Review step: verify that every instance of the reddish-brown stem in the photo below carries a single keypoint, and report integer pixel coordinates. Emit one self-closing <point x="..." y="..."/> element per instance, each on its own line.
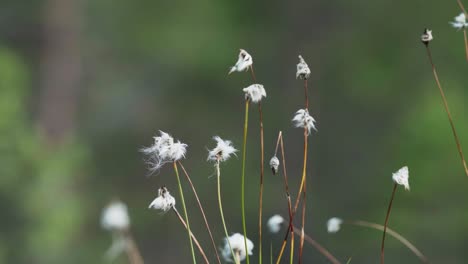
<point x="191" y="234"/>
<point x="291" y="213"/>
<point x="252" y="73"/>
<point x="382" y="260"/>
<point x="319" y="247"/>
<point x="306" y="95"/>
<point x="202" y="211"/>
<point x="457" y="141"/>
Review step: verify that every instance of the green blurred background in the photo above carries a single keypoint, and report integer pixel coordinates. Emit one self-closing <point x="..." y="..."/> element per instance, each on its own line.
<point x="85" y="84"/>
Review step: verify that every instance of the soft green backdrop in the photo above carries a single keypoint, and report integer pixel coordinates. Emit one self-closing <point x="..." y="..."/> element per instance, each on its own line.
<point x="85" y="84"/>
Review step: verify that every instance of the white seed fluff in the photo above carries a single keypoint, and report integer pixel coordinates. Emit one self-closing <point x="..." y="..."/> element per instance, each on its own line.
<point x="334" y="224"/>
<point x="401" y="177"/>
<point x="254" y="92"/>
<point x="238" y="245"/>
<point x="274" y="223"/>
<point x="243" y="62"/>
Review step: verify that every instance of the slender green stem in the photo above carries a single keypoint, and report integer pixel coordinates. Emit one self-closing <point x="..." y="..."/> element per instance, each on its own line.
<point x="218" y="173"/>
<point x="202" y="211"/>
<point x="304" y="173"/>
<point x="244" y="152"/>
<point x="392" y="233"/>
<point x="262" y="161"/>
<point x="185" y="211"/>
<point x="382" y="248"/>
<point x="291" y="254"/>
<point x="202" y="252"/>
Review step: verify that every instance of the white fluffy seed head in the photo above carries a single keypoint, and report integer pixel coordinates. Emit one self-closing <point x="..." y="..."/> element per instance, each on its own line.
<point x="334" y="224"/>
<point x="164" y="202"/>
<point x="222" y="151"/>
<point x="115" y="217"/>
<point x="303" y="71"/>
<point x="401" y="177"/>
<point x="274" y="223"/>
<point x="427" y="37"/>
<point x="238" y="246"/>
<point x="243" y="62"/>
<point x="164" y="150"/>
<point x="274" y="164"/>
<point x="460" y="22"/>
<point x="255" y="92"/>
<point x="304" y="120"/>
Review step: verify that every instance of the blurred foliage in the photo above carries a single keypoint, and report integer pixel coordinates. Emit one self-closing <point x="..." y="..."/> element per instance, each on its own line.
<point x="162" y="65"/>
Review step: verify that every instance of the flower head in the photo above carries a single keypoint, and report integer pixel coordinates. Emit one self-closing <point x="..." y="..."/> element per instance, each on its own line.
<point x="274" y="164"/>
<point x="274" y="223"/>
<point x="115" y="217"/>
<point x="334" y="224"/>
<point x="426" y="37"/>
<point x="254" y="92"/>
<point x="222" y="151"/>
<point x="304" y="120"/>
<point x="401" y="177"/>
<point x="164" y="150"/>
<point x="460" y="22"/>
<point x="303" y="71"/>
<point x="164" y="202"/>
<point x="238" y="246"/>
<point x="243" y="63"/>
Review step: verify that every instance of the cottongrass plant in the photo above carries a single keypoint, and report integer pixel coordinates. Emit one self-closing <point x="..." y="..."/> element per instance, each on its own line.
<point x="165" y="150"/>
<point x="253" y="93"/>
<point x="165" y="202"/>
<point x="237" y="247"/>
<point x="116" y="220"/>
<point x="222" y="152"/>
<point x="426" y="38"/>
<point x="304" y="120"/>
<point x="399" y="178"/>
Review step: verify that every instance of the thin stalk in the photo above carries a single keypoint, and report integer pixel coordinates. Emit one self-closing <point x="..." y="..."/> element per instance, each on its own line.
<point x="304" y="173"/>
<point x="202" y="211"/>
<point x="244" y="152"/>
<point x="466" y="43"/>
<point x="262" y="161"/>
<point x="290" y="211"/>
<point x="382" y="258"/>
<point x="457" y="141"/>
<point x="185" y="211"/>
<point x="132" y="251"/>
<point x="460" y="4"/>
<point x="394" y="234"/>
<point x="319" y="247"/>
<point x="191" y="235"/>
<point x="237" y="259"/>
<point x="271" y="252"/>
<point x="218" y="172"/>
